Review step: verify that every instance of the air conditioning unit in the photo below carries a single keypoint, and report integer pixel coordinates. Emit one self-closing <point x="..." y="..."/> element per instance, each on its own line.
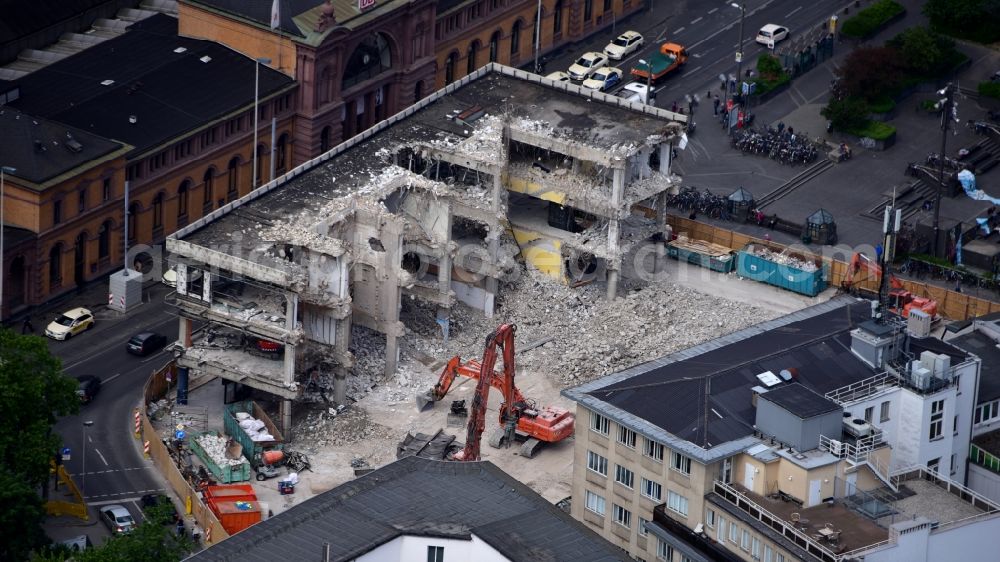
<point x="836" y="447"/>
<point x="920" y="377"/>
<point x="857" y="427"/>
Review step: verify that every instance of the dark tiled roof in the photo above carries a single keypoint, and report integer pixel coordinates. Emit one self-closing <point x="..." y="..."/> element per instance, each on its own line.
<point x="19" y="19"/>
<point x="52" y="156"/>
<point x="799" y="400"/>
<point x="169" y="93"/>
<point x="986" y="349"/>
<point x="416" y="496"/>
<point x="260" y="10"/>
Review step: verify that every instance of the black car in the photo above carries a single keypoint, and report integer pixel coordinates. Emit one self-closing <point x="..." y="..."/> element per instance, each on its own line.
<point x="89" y="387"/>
<point x="146" y="343"/>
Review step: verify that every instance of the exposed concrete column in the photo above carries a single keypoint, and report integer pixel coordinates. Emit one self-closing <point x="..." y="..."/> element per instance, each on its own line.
<point x="291" y="310"/>
<point x="614" y="230"/>
<point x="444" y="264"/>
<point x="665" y="157"/>
<point x="286" y="419"/>
<point x="289" y="364"/>
<point x="342" y="343"/>
<point x="660" y="255"/>
<point x="498" y="207"/>
<point x="184" y="332"/>
<point x="391" y="292"/>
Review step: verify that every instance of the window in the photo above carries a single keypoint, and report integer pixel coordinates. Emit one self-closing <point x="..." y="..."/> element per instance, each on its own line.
<point x="55" y="264"/>
<point x="884" y="412"/>
<point x="56" y="212"/>
<point x="933" y="465"/>
<point x="209" y="180"/>
<point x="81" y="201"/>
<point x="494" y="46"/>
<point x="664" y="551"/>
<point x="515" y="37"/>
<point x="104" y="240"/>
<point x="624" y="476"/>
<point x="653" y="450"/>
<point x="182" y="199"/>
<point x="680" y="463"/>
<point x="755" y="548"/>
<point x="435" y="554"/>
<point x="588" y="10"/>
<point x="678" y="503"/>
<point x="626" y="436"/>
<point x="745" y="543"/>
<point x="652" y="490"/>
<point x="557" y="18"/>
<point x="597" y="463"/>
<point x="158" y="210"/>
<point x="281" y="152"/>
<point x="768" y="553"/>
<point x="734" y="532"/>
<point x="182" y="149"/>
<point x="780" y="556"/>
<point x="710" y="517"/>
<point x="987" y="412"/>
<point x="642" y="527"/>
<point x="953" y="463"/>
<point x="954" y="426"/>
<point x="607" y="6"/>
<point x="937" y="418"/>
<point x="106" y="190"/>
<point x="470" y="64"/>
<point x="621" y="515"/>
<point x="209" y="137"/>
<point x="726" y="474"/>
<point x="133" y="213"/>
<point x="599" y="423"/>
<point x="595" y="503"/>
<point x="720" y="531"/>
<point x="869" y="413"/>
<point x="234" y="172"/>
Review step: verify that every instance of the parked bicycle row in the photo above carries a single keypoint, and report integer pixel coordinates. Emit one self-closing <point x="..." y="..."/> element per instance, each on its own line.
<point x="784" y="146"/>
<point x="921" y="270"/>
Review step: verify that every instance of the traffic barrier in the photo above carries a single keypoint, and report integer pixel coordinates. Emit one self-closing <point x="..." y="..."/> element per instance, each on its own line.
<point x="208" y="535"/>
<point x="145" y="449"/>
<point x="138" y="423"/>
<point x="111" y="299"/>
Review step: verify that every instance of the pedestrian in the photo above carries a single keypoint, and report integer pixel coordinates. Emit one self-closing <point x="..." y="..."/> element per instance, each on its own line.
<point x="690" y="107"/>
<point x="27" y="326"/>
<point x="708" y="95"/>
<point x="180" y="527"/>
<point x="715" y="105"/>
<point x="674" y="107"/>
<point x="958" y="286"/>
<point x="781" y="127"/>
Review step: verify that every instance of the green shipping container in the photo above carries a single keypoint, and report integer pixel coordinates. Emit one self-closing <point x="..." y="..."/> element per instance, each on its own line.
<point x="250" y="447"/>
<point x="224" y="474"/>
<point x="755" y="267"/>
<point x="725" y="264"/>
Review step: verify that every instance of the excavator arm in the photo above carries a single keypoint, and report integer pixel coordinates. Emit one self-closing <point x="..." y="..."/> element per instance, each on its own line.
<point x="454" y="368"/>
<point x="860" y="260"/>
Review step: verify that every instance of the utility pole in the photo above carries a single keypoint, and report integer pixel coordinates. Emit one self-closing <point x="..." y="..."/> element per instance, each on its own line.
<point x="947" y="109"/>
<point x="739" y="54"/>
<point x="538" y="35"/>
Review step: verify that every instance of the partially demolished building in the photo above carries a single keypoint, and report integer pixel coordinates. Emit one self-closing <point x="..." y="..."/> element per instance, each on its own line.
<point x="433" y="204"/>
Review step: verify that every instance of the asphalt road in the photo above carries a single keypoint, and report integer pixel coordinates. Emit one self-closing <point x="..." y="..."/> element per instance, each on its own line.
<point x="116" y="471"/>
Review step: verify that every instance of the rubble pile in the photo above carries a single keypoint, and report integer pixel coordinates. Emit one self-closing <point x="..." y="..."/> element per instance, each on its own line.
<point x="782" y="258"/>
<point x="576" y="335"/>
<point x="215" y="447"/>
<point x="332" y="427"/>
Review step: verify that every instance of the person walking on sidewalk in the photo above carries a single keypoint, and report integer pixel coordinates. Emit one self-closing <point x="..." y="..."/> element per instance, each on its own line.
<point x="27" y="326"/>
<point x="715" y="105"/>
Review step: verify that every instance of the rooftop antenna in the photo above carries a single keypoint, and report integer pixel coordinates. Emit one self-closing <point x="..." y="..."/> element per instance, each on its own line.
<point x="890" y="228"/>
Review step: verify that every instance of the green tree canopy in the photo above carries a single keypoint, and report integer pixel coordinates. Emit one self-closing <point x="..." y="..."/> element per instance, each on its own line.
<point x="871" y="72"/>
<point x="923" y="52"/>
<point x="978" y="20"/>
<point x="153" y="540"/>
<point x="33" y="392"/>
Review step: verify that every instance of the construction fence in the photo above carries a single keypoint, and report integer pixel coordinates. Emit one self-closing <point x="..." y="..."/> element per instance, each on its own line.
<point x="157" y="387"/>
<point x="951" y="304"/>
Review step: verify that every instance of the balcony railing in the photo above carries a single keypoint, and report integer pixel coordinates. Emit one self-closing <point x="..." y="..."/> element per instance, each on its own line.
<point x="862" y="389"/>
<point x="984" y="458"/>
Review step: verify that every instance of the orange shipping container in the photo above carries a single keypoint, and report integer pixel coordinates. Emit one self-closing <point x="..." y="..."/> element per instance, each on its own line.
<point x="231" y="492"/>
<point x="235" y="515"/>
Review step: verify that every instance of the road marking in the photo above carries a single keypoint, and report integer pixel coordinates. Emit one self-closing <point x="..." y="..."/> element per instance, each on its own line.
<point x="113" y="470"/>
<point x="696" y="20"/>
<point x="695" y="69"/>
<point x="793" y="11"/>
<point x="154" y="356"/>
<point x="676" y="32"/>
<point x="111" y="378"/>
<point x="712" y="11"/>
<point x="98" y="451"/>
<point x="124" y="500"/>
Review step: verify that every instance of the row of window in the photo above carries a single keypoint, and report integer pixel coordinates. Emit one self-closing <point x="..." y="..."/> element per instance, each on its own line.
<point x="82" y="201"/>
<point x="741" y="538"/>
<point x="628" y="437"/>
<point x="675" y="502"/>
<point x="456" y="22"/>
<point x="987" y="412"/>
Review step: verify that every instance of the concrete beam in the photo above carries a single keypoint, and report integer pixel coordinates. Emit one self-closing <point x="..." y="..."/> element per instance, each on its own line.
<point x="215" y="369"/>
<point x="229" y="262"/>
<point x="266" y="330"/>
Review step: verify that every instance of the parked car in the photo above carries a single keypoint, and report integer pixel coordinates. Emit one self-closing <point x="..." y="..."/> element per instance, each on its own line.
<point x="170" y="276"/>
<point x="636" y="92"/>
<point x="772" y="34"/>
<point x="117" y="518"/>
<point x="587" y="65"/>
<point x="558" y="76"/>
<point x="78" y="543"/>
<point x="88" y="386"/>
<point x="624" y="45"/>
<point x="604" y="79"/>
<point x="144" y="343"/>
<point x="70" y="323"/>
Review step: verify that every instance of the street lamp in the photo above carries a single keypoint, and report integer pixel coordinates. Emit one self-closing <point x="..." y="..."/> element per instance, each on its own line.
<point x="538" y="35"/>
<point x="649" y="80"/>
<point x="83" y="477"/>
<point x="739" y="54"/>
<point x="256" y="112"/>
<point x="3" y="268"/>
<point x="947" y="110"/>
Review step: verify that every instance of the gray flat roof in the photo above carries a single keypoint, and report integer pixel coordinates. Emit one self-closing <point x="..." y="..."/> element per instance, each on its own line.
<point x="800" y="400"/>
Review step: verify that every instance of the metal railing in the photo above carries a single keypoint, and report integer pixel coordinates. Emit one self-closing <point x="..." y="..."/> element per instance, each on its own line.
<point x="984" y="458"/>
<point x="862" y="389"/>
<point x="860" y="452"/>
<point x="953" y="488"/>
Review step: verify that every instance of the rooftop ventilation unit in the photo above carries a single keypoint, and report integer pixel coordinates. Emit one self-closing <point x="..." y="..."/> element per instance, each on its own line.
<point x="768" y="379"/>
<point x="206" y="59"/>
<point x="107" y="82"/>
<point x="72" y="144"/>
<point x="857" y="427"/>
<point x="180" y="50"/>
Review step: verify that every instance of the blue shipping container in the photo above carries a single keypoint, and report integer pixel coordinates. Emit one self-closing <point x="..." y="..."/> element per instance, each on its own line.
<point x="754" y="267"/>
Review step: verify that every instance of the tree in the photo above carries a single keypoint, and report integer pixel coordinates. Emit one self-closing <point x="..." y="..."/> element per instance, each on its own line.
<point x="151" y="541"/>
<point x="871" y="72"/>
<point x="33" y="392"/>
<point x="848" y="114"/>
<point x="923" y="52"/>
<point x="978" y="20"/>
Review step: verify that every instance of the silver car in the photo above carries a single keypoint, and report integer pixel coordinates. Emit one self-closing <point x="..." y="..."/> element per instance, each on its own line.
<point x="117" y="518"/>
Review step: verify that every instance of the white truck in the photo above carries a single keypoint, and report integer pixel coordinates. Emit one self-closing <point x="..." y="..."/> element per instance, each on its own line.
<point x="636" y="92"/>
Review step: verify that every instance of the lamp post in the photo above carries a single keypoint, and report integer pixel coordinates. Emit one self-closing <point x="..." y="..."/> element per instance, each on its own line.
<point x="739" y="53"/>
<point x="947" y="108"/>
<point x="83" y="476"/>
<point x="649" y="80"/>
<point x="256" y="113"/>
<point x="538" y="35"/>
<point x="3" y="268"/>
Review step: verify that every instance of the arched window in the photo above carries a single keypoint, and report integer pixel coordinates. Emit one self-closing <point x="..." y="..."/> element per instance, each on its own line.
<point x="182" y="198"/>
<point x="232" y="190"/>
<point x="470" y="65"/>
<point x="418" y="91"/>
<point x="104" y="240"/>
<point x="261" y="168"/>
<point x="369" y="59"/>
<point x="557" y="18"/>
<point x="449" y="68"/>
<point x="588" y="10"/>
<point x="515" y="37"/>
<point x="209" y="180"/>
<point x="133" y="213"/>
<point x="494" y="46"/>
<point x="281" y="154"/>
<point x="324" y="140"/>
<point x="325" y="83"/>
<point x="55" y="264"/>
<point x="158" y="210"/>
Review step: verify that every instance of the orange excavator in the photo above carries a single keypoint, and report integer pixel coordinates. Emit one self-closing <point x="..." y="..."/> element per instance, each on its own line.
<point x="519" y="417"/>
<point x="903" y="301"/>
